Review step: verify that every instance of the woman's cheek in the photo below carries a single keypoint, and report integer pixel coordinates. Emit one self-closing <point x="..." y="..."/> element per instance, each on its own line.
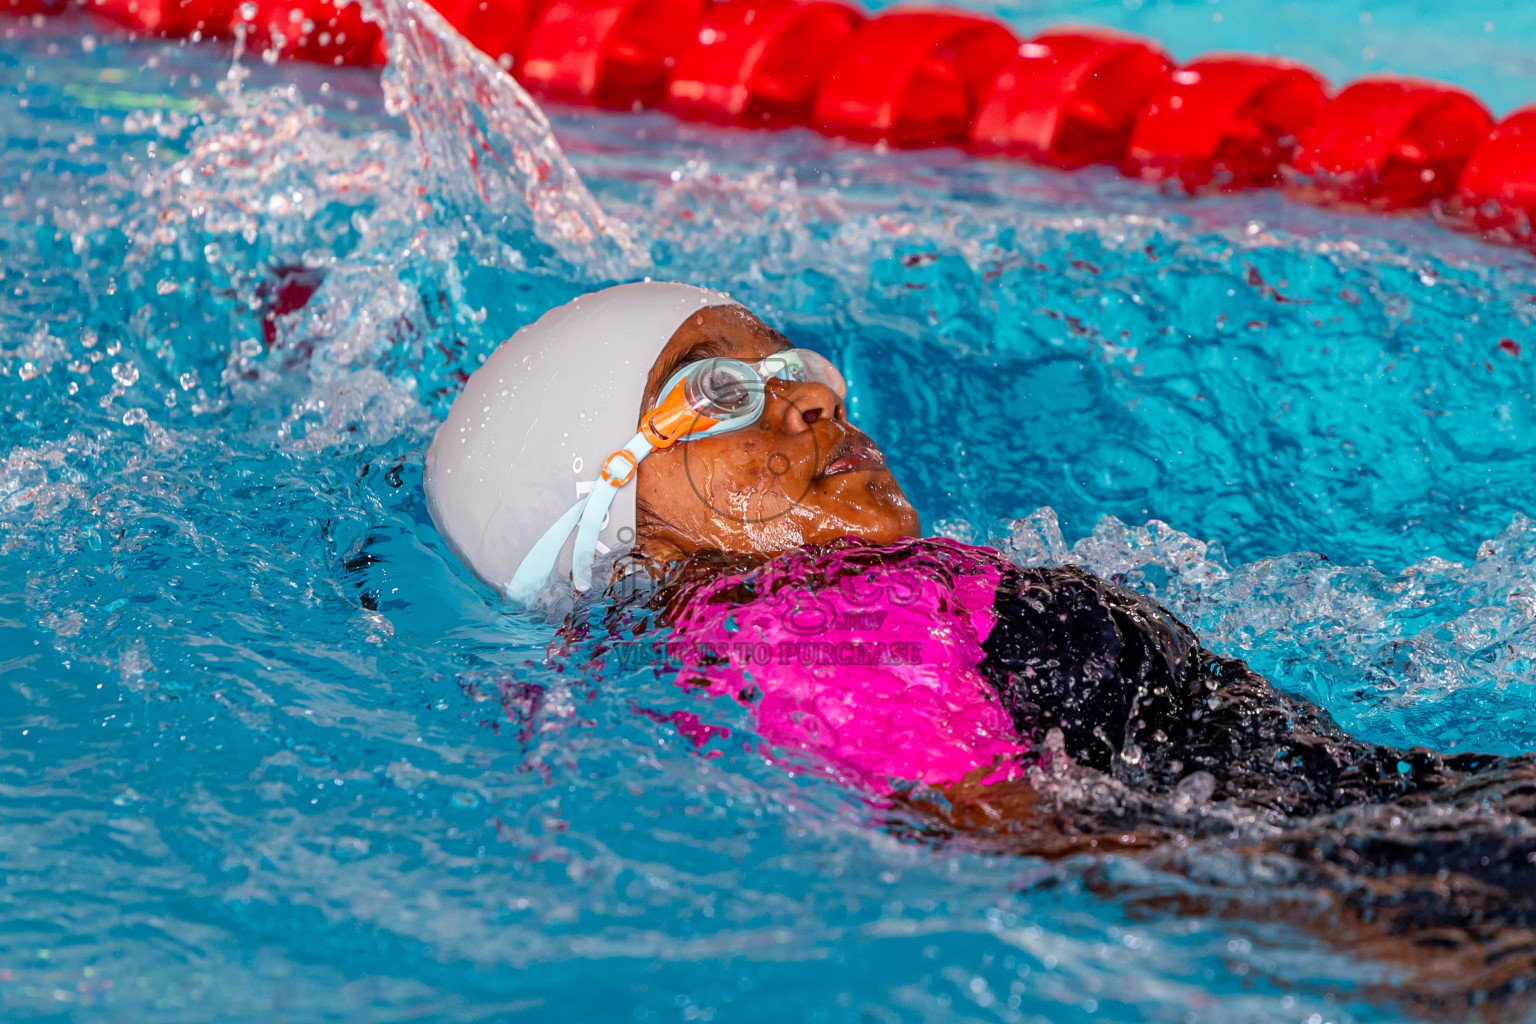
<point x="754" y="493"/>
<point x="746" y="490"/>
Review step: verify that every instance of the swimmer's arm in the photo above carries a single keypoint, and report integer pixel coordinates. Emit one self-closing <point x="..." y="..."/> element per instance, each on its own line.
<point x="975" y="805"/>
<point x="1014" y="816"/>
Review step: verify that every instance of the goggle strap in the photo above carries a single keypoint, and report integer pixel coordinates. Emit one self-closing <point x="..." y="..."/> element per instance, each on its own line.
<point x="586" y="517"/>
<point x="533" y="571"/>
<point x="615" y="473"/>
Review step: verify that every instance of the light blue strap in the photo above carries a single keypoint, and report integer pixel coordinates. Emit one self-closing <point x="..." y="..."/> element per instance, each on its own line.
<point x="533" y="571"/>
<point x="598" y="503"/>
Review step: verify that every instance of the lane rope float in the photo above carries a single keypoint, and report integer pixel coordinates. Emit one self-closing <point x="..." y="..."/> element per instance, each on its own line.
<point x="917" y="77"/>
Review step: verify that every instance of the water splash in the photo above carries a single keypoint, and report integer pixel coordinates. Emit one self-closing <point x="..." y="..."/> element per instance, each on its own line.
<point x="486" y="144"/>
<point x="1440" y="653"/>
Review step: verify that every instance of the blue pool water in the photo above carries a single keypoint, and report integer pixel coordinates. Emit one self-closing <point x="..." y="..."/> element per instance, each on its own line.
<point x="268" y="753"/>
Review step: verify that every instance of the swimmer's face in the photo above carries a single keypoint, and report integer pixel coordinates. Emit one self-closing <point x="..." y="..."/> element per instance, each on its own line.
<point x="801" y="474"/>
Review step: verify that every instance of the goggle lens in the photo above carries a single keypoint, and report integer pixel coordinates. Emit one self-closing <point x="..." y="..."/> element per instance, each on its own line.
<point x="719" y="388"/>
<point x="802" y="364"/>
<point x="714" y="396"/>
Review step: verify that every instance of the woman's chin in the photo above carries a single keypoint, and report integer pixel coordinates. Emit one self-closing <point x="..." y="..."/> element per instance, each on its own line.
<point x="882" y="523"/>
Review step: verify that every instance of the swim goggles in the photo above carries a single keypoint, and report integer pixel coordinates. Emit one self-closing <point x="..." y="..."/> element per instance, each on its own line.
<point x="703" y="399"/>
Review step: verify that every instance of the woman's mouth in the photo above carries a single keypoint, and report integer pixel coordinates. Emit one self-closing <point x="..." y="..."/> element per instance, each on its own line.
<point x="852" y="454"/>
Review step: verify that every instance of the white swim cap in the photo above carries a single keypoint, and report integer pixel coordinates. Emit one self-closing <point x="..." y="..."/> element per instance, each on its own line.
<point x="531" y="430"/>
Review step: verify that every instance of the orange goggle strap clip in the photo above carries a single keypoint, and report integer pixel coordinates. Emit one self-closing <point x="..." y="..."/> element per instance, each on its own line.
<point x="623" y="456"/>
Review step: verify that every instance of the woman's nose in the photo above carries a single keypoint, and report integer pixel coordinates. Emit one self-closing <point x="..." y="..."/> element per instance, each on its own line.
<point x="798" y="404"/>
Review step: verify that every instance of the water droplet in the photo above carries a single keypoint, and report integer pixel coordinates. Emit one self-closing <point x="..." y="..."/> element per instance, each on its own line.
<point x="1194" y="790"/>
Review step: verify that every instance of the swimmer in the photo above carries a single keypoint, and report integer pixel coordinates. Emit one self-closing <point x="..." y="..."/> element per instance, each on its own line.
<point x="744" y="444"/>
<point x="1044" y="707"/>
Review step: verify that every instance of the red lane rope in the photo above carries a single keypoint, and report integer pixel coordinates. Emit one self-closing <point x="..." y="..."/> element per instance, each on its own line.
<point x="932" y="76"/>
<point x="913" y="78"/>
<point x="1225" y="122"/>
<point x="1070" y="98"/>
<point x="760" y="63"/>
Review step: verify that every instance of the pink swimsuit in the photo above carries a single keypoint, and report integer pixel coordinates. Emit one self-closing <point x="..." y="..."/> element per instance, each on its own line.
<point x="869" y="663"/>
